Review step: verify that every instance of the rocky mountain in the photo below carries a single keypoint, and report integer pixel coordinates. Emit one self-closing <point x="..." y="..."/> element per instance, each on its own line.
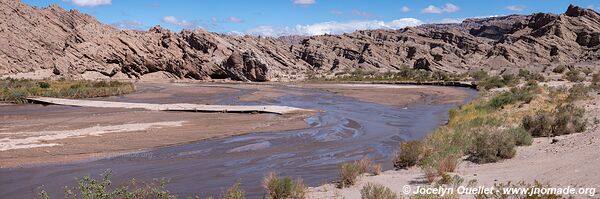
<point x="73" y="44"/>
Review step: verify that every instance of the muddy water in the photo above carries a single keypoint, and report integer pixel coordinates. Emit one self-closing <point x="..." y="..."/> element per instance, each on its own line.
<point x="346" y="129"/>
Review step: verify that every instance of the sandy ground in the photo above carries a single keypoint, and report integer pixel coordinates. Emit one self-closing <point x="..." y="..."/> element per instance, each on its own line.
<point x="574" y="160"/>
<point x="34" y="134"/>
<point x="396" y="95"/>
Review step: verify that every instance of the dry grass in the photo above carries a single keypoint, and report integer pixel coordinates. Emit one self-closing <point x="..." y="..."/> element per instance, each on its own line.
<point x="283" y="188"/>
<point x="448" y="164"/>
<point x="234" y="192"/>
<point x="363" y="165"/>
<point x="349" y="172"/>
<point x="377" y="191"/>
<point x="430" y="173"/>
<point x="409" y="154"/>
<point x="17" y="90"/>
<point x="376" y="169"/>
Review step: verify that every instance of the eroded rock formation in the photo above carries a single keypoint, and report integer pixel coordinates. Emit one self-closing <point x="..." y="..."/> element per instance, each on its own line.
<point x="70" y="43"/>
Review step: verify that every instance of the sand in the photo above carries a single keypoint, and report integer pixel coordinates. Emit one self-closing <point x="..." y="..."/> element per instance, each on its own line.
<point x="396" y="95"/>
<point x="36" y="134"/>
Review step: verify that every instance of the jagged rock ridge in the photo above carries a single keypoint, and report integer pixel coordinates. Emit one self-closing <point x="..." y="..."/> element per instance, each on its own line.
<point x="72" y="44"/>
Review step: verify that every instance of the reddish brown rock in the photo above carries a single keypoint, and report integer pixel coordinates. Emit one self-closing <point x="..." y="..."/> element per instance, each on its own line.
<point x="70" y="43"/>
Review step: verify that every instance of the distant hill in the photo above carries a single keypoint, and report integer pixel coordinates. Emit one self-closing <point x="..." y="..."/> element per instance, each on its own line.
<point x="73" y="44"/>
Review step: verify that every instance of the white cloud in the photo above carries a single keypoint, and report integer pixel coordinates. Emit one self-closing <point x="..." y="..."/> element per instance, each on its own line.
<point x="333" y="27"/>
<point x="129" y="25"/>
<point x="405" y="9"/>
<point x="234" y="20"/>
<point x="361" y="13"/>
<point x="336" y="12"/>
<point x="179" y="22"/>
<point x="304" y="2"/>
<point x="90" y="3"/>
<point x="448" y="8"/>
<point x="515" y="8"/>
<point x="431" y="9"/>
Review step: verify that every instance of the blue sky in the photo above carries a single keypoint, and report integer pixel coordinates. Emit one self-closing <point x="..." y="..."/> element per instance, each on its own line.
<point x="305" y="17"/>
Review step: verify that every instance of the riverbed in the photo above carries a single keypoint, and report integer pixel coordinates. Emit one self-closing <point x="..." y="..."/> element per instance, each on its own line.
<point x="343" y="128"/>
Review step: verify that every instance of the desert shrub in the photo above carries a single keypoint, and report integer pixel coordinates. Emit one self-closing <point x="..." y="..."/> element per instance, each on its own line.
<point x="448" y="164"/>
<point x="376" y="191"/>
<point x="409" y="154"/>
<point x="478" y="75"/>
<point x="524" y="73"/>
<point x="491" y="145"/>
<point x="595" y="81"/>
<point x="376" y="169"/>
<point x="564" y="119"/>
<point x="515" y="95"/>
<point x="521" y="136"/>
<point x="559" y="69"/>
<point x="349" y="173"/>
<point x="510" y="79"/>
<point x="44" y="84"/>
<point x="568" y="119"/>
<point x="363" y="165"/>
<point x="430" y="173"/>
<point x="90" y="188"/>
<point x="587" y="71"/>
<point x="578" y="91"/>
<point x="527" y="75"/>
<point x="452" y="180"/>
<point x="491" y="82"/>
<point x="283" y="188"/>
<point x="539" y="124"/>
<point x="574" y="76"/>
<point x="16" y="91"/>
<point x="234" y="192"/>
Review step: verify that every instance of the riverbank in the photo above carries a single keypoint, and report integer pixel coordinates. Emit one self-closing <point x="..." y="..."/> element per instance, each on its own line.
<point x="561" y="161"/>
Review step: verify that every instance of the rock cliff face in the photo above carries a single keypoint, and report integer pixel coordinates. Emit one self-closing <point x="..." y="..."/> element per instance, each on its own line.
<point x="71" y="44"/>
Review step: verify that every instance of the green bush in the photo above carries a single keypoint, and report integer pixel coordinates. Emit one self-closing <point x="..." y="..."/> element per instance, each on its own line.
<point x="578" y="91"/>
<point x="89" y="188"/>
<point x="478" y="75"/>
<point x="492" y="145"/>
<point x="574" y="76"/>
<point x="409" y="154"/>
<point x="595" y="82"/>
<point x="521" y="136"/>
<point x="491" y="82"/>
<point x="527" y="75"/>
<point x="524" y="73"/>
<point x="539" y="124"/>
<point x="568" y="119"/>
<point x="283" y="188"/>
<point x="559" y="69"/>
<point x="564" y="119"/>
<point x="513" y="96"/>
<point x="16" y="91"/>
<point x="510" y="80"/>
<point x="44" y="84"/>
<point x="376" y="191"/>
<point x="234" y="192"/>
<point x="349" y="173"/>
